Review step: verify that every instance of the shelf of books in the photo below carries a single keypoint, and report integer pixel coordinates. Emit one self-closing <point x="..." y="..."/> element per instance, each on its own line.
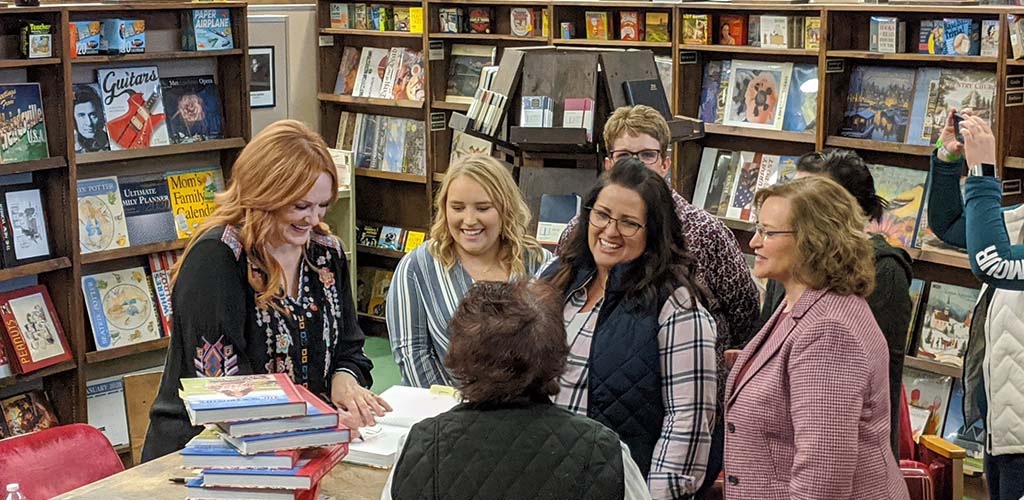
<point x="113" y="149"/>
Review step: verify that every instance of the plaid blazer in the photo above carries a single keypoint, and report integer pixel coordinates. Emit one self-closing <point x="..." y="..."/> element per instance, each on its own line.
<point x="810" y="418"/>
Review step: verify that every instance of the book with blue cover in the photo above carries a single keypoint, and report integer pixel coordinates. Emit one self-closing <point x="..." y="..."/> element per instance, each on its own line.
<point x="319" y="415"/>
<point x="120" y="307"/>
<point x="147" y="208"/>
<point x="313" y="465"/>
<point x="878" y="106"/>
<point x="802" y="106"/>
<point x="206" y="29"/>
<point x="922" y="121"/>
<point x="193" y="108"/>
<point x="962" y="37"/>
<point x="287" y="440"/>
<point x="207" y="449"/>
<point x="241" y="397"/>
<point x="101" y="220"/>
<point x="198" y="490"/>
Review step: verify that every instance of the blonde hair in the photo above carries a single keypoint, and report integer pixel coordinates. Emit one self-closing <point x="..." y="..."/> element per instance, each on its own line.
<point x="834" y="252"/>
<point x="637" y="120"/>
<point x="276" y="169"/>
<point x="516" y="243"/>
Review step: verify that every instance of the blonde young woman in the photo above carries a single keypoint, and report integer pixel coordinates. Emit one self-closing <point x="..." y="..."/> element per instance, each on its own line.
<point x="263" y="287"/>
<point x="479" y="234"/>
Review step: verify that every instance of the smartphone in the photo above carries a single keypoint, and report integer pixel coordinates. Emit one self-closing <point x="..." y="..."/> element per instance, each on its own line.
<point x="957" y="118"/>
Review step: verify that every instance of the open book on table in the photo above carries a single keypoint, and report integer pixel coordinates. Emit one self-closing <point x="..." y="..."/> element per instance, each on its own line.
<point x="381" y="444"/>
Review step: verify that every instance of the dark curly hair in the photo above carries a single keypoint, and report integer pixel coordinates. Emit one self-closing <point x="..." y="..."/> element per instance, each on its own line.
<point x="849" y="170"/>
<point x="666" y="263"/>
<point x="508" y="341"/>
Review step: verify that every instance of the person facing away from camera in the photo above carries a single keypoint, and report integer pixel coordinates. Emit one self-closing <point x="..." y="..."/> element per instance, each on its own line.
<point x="890" y="301"/>
<point x="507" y="440"/>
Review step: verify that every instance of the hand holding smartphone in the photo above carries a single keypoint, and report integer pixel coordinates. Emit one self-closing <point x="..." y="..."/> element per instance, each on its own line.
<point x="957" y="118"/>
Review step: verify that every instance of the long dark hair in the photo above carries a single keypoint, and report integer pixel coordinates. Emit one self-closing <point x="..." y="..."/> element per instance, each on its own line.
<point x="666" y="263"/>
<point x="848" y="169"/>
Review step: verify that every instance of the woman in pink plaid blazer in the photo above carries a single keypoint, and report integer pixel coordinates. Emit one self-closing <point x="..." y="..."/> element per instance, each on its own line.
<point x="807" y="402"/>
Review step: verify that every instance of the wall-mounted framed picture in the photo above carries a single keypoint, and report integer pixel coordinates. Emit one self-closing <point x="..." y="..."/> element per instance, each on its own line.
<point x="262" y="91"/>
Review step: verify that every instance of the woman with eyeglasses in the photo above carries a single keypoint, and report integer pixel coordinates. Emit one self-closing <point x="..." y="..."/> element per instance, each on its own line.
<point x="807" y="402"/>
<point x="642" y="344"/>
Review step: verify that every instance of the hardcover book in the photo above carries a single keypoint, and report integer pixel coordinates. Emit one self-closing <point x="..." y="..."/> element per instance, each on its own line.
<point x="101" y="220"/>
<point x="415" y="157"/>
<point x="339" y="16"/>
<point x="757" y="94"/>
<point x="411" y="405"/>
<point x="133" y="107"/>
<point x="716" y="78"/>
<point x="160" y="265"/>
<point x="413" y="239"/>
<point x="754" y="30"/>
<point x="521" y="19"/>
<point x="192" y="195"/>
<point x="930" y="37"/>
<point x="24" y="219"/>
<point x="288" y="440"/>
<point x="962" y="37"/>
<point x="90" y="124"/>
<point x="347" y="70"/>
<point x="208" y="450"/>
<point x="409" y="80"/>
<point x="206" y="29"/>
<point x="888" y="35"/>
<point x="656" y="26"/>
<point x="597" y="25"/>
<point x="21" y="119"/>
<point x="696" y="29"/>
<point x="928" y="392"/>
<point x="193" y="109"/>
<point x="373" y="62"/>
<point x="775" y="32"/>
<point x="464" y="69"/>
<point x="390" y="238"/>
<point x="629" y="25"/>
<point x="556" y="210"/>
<point x="903" y="189"/>
<point x="990" y="37"/>
<point x="394" y="149"/>
<point x="465" y="145"/>
<point x="197" y="490"/>
<point x="708" y="163"/>
<point x="812" y="33"/>
<point x="946" y="323"/>
<point x="921" y="120"/>
<point x="878" y="103"/>
<point x="732" y="29"/>
<point x="241" y="397"/>
<point x="319" y="415"/>
<point x="802" y="103"/>
<point x="120" y="308"/>
<point x="34" y="337"/>
<point x="313" y="465"/>
<point x="916" y="290"/>
<point x="28" y="412"/>
<point x="959" y="89"/>
<point x="647" y="92"/>
<point x="147" y="208"/>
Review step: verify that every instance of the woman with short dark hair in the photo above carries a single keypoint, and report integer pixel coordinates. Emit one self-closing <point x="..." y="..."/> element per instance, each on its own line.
<point x="507" y="440"/>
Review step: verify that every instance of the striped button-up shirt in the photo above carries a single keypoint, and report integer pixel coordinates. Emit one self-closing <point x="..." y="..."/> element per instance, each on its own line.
<point x="686" y="346"/>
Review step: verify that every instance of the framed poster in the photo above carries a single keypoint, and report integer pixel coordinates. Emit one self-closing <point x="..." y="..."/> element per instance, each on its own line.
<point x="261" y="77"/>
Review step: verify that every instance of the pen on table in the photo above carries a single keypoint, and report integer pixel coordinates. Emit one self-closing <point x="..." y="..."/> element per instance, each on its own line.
<point x="179" y="480"/>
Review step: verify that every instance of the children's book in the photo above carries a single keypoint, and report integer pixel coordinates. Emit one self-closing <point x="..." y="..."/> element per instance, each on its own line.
<point x="288" y="440"/>
<point x="120" y="308"/>
<point x="927" y="392"/>
<point x="946" y="323"/>
<point x="903" y="190"/>
<point x="757" y="94"/>
<point x="241" y="397"/>
<point x="208" y="450"/>
<point x="319" y="415"/>
<point x="206" y="29"/>
<point x="313" y="465"/>
<point x="878" y="103"/>
<point x="28" y="412"/>
<point x="101" y="219"/>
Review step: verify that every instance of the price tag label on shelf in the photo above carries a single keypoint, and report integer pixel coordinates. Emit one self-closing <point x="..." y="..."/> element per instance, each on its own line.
<point x="437" y="122"/>
<point x="1014" y="99"/>
<point x="688" y="57"/>
<point x="1011" y="187"/>
<point x="1014" y="82"/>
<point x="326" y="40"/>
<point x="436" y="50"/>
<point x="835" y="65"/>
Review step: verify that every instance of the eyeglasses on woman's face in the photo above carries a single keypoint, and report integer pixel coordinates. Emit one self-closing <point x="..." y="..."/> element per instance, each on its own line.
<point x="647" y="156"/>
<point x="765" y="234"/>
<point x="600" y="219"/>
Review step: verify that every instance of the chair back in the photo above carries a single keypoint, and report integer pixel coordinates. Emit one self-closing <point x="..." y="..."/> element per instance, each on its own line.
<point x="139" y="393"/>
<point x="57" y="460"/>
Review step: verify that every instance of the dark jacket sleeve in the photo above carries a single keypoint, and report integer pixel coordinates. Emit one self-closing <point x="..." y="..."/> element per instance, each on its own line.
<point x="891" y="305"/>
<point x="207" y="339"/>
<point x="348" y="352"/>
<point x="994" y="260"/>
<point x="945" y="204"/>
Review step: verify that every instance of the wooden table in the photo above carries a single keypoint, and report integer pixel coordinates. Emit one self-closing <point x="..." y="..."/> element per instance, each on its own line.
<point x="149" y="481"/>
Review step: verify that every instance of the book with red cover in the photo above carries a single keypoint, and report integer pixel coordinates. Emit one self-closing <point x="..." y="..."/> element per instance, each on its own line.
<point x="313" y="465"/>
<point x="34" y="337"/>
<point x="198" y="491"/>
<point x="319" y="415"/>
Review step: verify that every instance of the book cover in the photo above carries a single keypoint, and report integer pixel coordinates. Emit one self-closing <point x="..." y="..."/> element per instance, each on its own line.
<point x="208" y="29"/>
<point x="106" y="410"/>
<point x="812" y="33"/>
<point x="521" y="21"/>
<point x="21" y="119"/>
<point x="193" y="109"/>
<point x="415" y="157"/>
<point x="120" y="308"/>
<point x="878" y="103"/>
<point x="597" y="25"/>
<point x="241" y="392"/>
<point x="90" y="123"/>
<point x="390" y="238"/>
<point x="313" y="464"/>
<point x="379" y="292"/>
<point x="197" y="490"/>
<point x="28" y="412"/>
<point x="744" y="187"/>
<point x="732" y="29"/>
<point x="962" y="37"/>
<point x="931" y="39"/>
<point x="916" y="290"/>
<point x="664" y="64"/>
<point x="480" y="20"/>
<point x="968" y="435"/>
<point x="339" y="16"/>
<point x="394" y="148"/>
<point x="133" y="107"/>
<point x="708" y="162"/>
<point x="556" y="210"/>
<point x="391" y="70"/>
<point x="886" y="34"/>
<point x="921" y="121"/>
<point x="372" y="64"/>
<point x="929" y="392"/>
<point x="717" y="182"/>
<point x="411" y="405"/>
<point x="629" y="25"/>
<point x="319" y="415"/>
<point x="802" y="105"/>
<point x="413" y="239"/>
<point x="365" y="147"/>
<point x="34" y="337"/>
<point x="364" y="287"/>
<point x="409" y="80"/>
<point x="736" y="163"/>
<point x="101" y="220"/>
<point x="208" y="450"/>
<point x="367" y="235"/>
<point x="147" y="208"/>
<point x="946" y="323"/>
<point x="402" y="18"/>
<point x="696" y="29"/>
<point x="192" y="195"/>
<point x="757" y="94"/>
<point x="648" y="92"/>
<point x="903" y="189"/>
<point x="715" y="90"/>
<point x="656" y="26"/>
<point x="775" y="32"/>
<point x="464" y="68"/>
<point x="754" y="30"/>
<point x="347" y="70"/>
<point x="959" y="89"/>
<point x="990" y="37"/>
<point x="160" y="265"/>
<point x="381" y="141"/>
<point x="25" y="222"/>
<point x="465" y="145"/>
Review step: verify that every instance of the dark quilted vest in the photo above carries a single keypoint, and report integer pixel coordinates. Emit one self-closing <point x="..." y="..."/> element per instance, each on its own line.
<point x="624" y="382"/>
<point x="517" y="451"/>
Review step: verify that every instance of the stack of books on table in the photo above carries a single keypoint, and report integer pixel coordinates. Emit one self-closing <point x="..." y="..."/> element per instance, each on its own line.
<point x="265" y="439"/>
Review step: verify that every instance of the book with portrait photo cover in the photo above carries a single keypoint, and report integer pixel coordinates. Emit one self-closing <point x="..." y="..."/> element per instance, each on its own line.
<point x="25" y="238"/>
<point x="28" y="412"/>
<point x="193" y="108"/>
<point x="90" y="122"/>
<point x="33" y="336"/>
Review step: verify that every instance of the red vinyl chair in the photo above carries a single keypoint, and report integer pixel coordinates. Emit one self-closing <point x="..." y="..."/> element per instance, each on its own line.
<point x="54" y="461"/>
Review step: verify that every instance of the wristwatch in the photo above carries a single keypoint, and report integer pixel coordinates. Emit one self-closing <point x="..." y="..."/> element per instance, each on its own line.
<point x="983" y="169"/>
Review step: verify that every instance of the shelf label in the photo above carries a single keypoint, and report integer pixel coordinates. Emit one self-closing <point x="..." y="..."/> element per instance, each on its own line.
<point x="1014" y="82"/>
<point x="326" y="41"/>
<point x="437" y="122"/>
<point x="436" y="48"/>
<point x="1011" y="186"/>
<point x="835" y="65"/>
<point x="1014" y="99"/>
<point x="687" y="57"/>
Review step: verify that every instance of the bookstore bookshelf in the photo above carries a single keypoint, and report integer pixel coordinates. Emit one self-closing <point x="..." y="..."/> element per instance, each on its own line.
<point x="148" y="155"/>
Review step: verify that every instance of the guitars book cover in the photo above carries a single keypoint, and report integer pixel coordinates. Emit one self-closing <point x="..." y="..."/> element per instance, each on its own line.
<point x="134" y="107"/>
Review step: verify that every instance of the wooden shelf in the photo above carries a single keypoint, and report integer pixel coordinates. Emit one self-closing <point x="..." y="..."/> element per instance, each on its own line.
<point x="25" y="63"/>
<point x="612" y="43"/>
<point x="738" y="225"/>
<point x="172" y="149"/>
<point x="40" y="267"/>
<point x="351" y="32"/>
<point x="885" y="147"/>
<point x="450" y="106"/>
<point x="33" y="165"/>
<point x="757" y="133"/>
<point x="1013" y="162"/>
<point x="627" y="5"/>
<point x="392" y="176"/>
<point x="372" y="317"/>
<point x="1015" y="62"/>
<point x="383" y="252"/>
<point x="133" y="251"/>
<point x="370" y="101"/>
<point x="38" y="374"/>
<point x="758" y="6"/>
<point x="932" y="58"/>
<point x="156" y="56"/>
<point x="932" y="366"/>
<point x="128" y="350"/>
<point x="485" y="37"/>
<point x="746" y="49"/>
<point x="958" y="260"/>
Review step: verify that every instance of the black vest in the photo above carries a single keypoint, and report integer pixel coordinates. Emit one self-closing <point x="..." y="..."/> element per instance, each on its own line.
<point x="624" y="381"/>
<point x="520" y="450"/>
